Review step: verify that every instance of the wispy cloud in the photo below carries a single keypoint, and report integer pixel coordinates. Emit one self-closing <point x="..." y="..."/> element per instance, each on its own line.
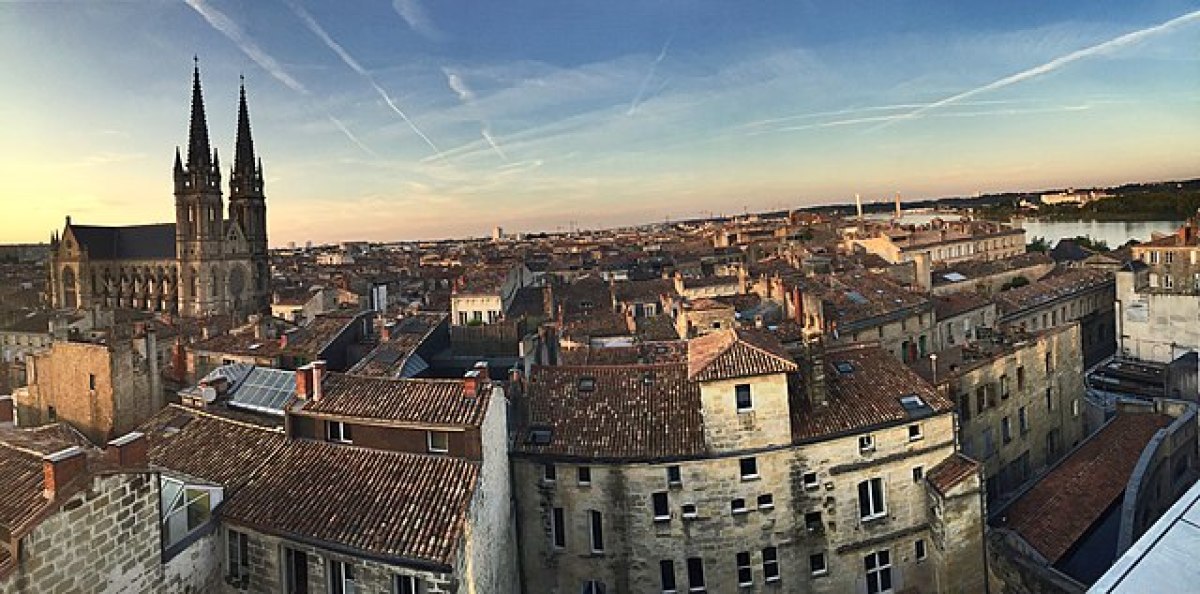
<point x="641" y="92"/>
<point x="414" y="14"/>
<point x="1111" y="45"/>
<point x="230" y="29"/>
<point x="316" y="28"/>
<point x="459" y="85"/>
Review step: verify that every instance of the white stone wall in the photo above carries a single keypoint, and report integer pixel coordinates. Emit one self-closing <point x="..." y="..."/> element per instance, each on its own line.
<point x="767" y="423"/>
<point x="1155" y="325"/>
<point x="635" y="543"/>
<point x="488" y="560"/>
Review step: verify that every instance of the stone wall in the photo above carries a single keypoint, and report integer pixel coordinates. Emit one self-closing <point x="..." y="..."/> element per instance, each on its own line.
<point x="766" y="423"/>
<point x="1155" y="325"/>
<point x="635" y="542"/>
<point x="106" y="539"/>
<point x="488" y="561"/>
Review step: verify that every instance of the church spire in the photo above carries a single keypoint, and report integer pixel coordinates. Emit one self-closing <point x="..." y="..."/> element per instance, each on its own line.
<point x="198" y="146"/>
<point x="243" y="160"/>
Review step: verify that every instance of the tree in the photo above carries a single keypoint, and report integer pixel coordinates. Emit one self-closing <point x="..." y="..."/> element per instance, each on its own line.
<point x="1038" y="244"/>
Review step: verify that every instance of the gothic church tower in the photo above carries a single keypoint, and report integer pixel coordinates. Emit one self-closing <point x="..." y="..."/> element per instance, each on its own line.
<point x="248" y="212"/>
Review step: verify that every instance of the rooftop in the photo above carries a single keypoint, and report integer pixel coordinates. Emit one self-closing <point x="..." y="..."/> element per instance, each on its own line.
<point x="740" y="352"/>
<point x="1051" y="287"/>
<point x="440" y="402"/>
<point x="1063" y="505"/>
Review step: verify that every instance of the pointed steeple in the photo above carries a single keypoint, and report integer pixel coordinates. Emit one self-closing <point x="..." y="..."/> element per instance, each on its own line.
<point x="243" y="158"/>
<point x="178" y="163"/>
<point x="198" y="146"/>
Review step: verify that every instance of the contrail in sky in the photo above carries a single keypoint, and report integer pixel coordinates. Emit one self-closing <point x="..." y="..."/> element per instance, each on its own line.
<point x="637" y="99"/>
<point x="467" y="96"/>
<point x="1055" y="64"/>
<point x="349" y="60"/>
<point x="352" y="137"/>
<point x="230" y="29"/>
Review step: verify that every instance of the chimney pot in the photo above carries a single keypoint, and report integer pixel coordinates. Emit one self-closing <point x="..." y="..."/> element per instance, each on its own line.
<point x="60" y="468"/>
<point x="318" y="376"/>
<point x="129" y="449"/>
<point x="6" y="410"/>
<point x="304" y="382"/>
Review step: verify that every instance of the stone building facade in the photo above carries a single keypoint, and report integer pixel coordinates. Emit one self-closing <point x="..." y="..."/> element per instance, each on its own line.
<point x="103" y="390"/>
<point x="720" y="475"/>
<point x="1077" y="295"/>
<point x="1021" y="403"/>
<point x="1158" y="298"/>
<point x="202" y="264"/>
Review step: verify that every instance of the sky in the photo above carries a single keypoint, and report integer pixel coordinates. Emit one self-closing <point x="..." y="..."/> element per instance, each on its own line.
<point x="412" y="119"/>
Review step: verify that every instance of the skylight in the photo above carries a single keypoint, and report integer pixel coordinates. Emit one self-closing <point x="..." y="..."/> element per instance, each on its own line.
<point x="844" y="367"/>
<point x="587" y="384"/>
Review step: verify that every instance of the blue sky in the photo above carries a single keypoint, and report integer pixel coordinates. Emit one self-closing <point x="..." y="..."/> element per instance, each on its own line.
<point x="423" y="118"/>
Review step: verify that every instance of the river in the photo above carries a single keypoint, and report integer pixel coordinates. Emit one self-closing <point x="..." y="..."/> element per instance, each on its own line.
<point x="1114" y="233"/>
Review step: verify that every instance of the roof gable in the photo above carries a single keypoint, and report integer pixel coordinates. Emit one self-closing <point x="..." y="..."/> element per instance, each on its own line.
<point x="737" y="353"/>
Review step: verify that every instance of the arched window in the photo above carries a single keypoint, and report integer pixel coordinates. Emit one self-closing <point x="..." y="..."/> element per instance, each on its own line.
<point x="70" y="292"/>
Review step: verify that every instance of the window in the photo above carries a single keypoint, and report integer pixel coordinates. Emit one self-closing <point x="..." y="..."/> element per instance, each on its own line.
<point x="341" y="577"/>
<point x="742" y="397"/>
<point x="981" y="399"/>
<point x="810" y="481"/>
<point x="92" y="381"/>
<point x="737" y="506"/>
<point x="674" y="477"/>
<point x="866" y="443"/>
<point x="812" y="522"/>
<point x="409" y="584"/>
<point x="584" y="474"/>
<point x="1049" y="399"/>
<point x="593" y="587"/>
<point x="549" y="473"/>
<point x="438" y="442"/>
<point x="1005" y="430"/>
<point x="238" y="555"/>
<point x="1075" y="407"/>
<point x="1020" y="378"/>
<point x="918" y="473"/>
<point x="878" y="566"/>
<point x="689" y="511"/>
<point x="1169" y="257"/>
<point x="1022" y="421"/>
<point x="666" y="569"/>
<point x="766" y="501"/>
<point x="1049" y="363"/>
<point x="695" y="567"/>
<point x="745" y="574"/>
<point x="816" y="564"/>
<point x="919" y="549"/>
<point x="749" y="468"/>
<point x="1168" y="282"/>
<point x="338" y="431"/>
<point x="51" y="414"/>
<point x="295" y="571"/>
<point x="1004" y="387"/>
<point x="662" y="509"/>
<point x="184" y="508"/>
<point x="989" y="445"/>
<point x="771" y="564"/>
<point x="596" y="520"/>
<point x="870" y="499"/>
<point x="914" y="432"/>
<point x="558" y="529"/>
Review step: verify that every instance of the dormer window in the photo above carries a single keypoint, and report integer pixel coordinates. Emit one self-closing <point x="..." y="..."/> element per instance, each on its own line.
<point x="338" y="431"/>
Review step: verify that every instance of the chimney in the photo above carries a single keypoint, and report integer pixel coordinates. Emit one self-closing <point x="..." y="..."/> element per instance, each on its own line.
<point x="304" y="382"/>
<point x="129" y="450"/>
<point x="6" y="410"/>
<point x="257" y="324"/>
<point x="318" y="375"/>
<point x="60" y="468"/>
<point x="814" y="372"/>
<point x="471" y="384"/>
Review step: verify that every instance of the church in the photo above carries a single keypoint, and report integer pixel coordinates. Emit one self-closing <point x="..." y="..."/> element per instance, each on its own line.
<point x="202" y="264"/>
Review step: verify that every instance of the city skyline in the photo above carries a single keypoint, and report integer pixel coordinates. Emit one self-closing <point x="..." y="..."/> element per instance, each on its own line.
<point x="411" y="119"/>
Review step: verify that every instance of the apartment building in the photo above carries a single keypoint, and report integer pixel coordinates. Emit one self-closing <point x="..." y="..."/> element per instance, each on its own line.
<point x="1021" y="402"/>
<point x="1075" y="295"/>
<point x="730" y="468"/>
<point x="858" y="306"/>
<point x="1158" y="297"/>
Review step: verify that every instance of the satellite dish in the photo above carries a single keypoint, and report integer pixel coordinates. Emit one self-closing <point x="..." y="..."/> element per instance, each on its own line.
<point x="208" y="394"/>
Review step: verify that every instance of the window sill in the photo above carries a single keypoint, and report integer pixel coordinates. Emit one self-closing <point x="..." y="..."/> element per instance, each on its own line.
<point x="750" y="477"/>
<point x="872" y="519"/>
<point x="740" y="512"/>
<point x="820" y="574"/>
<point x="773" y="579"/>
<point x="766" y="508"/>
<point x="661" y="519"/>
<point x="692" y="517"/>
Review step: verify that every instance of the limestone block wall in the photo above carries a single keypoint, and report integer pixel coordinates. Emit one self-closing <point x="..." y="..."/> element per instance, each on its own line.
<point x="635" y="544"/>
<point x="767" y="423"/>
<point x="266" y="563"/>
<point x="106" y="539"/>
<point x="488" y="561"/>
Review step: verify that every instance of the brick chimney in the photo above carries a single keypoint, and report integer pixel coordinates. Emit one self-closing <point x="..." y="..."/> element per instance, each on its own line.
<point x="60" y="468"/>
<point x="129" y="449"/>
<point x="318" y="375"/>
<point x="304" y="382"/>
<point x="471" y="383"/>
<point x="6" y="410"/>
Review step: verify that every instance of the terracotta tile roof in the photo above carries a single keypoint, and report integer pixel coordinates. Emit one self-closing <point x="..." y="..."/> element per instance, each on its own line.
<point x="739" y="352"/>
<point x="631" y="412"/>
<point x="948" y="306"/>
<point x="1064" y="504"/>
<point x="642" y="353"/>
<point x="396" y="505"/>
<point x="974" y="269"/>
<point x="643" y="290"/>
<point x="423" y="401"/>
<point x="867" y="395"/>
<point x="851" y="298"/>
<point x="950" y="472"/>
<point x="656" y="328"/>
<point x="207" y="447"/>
